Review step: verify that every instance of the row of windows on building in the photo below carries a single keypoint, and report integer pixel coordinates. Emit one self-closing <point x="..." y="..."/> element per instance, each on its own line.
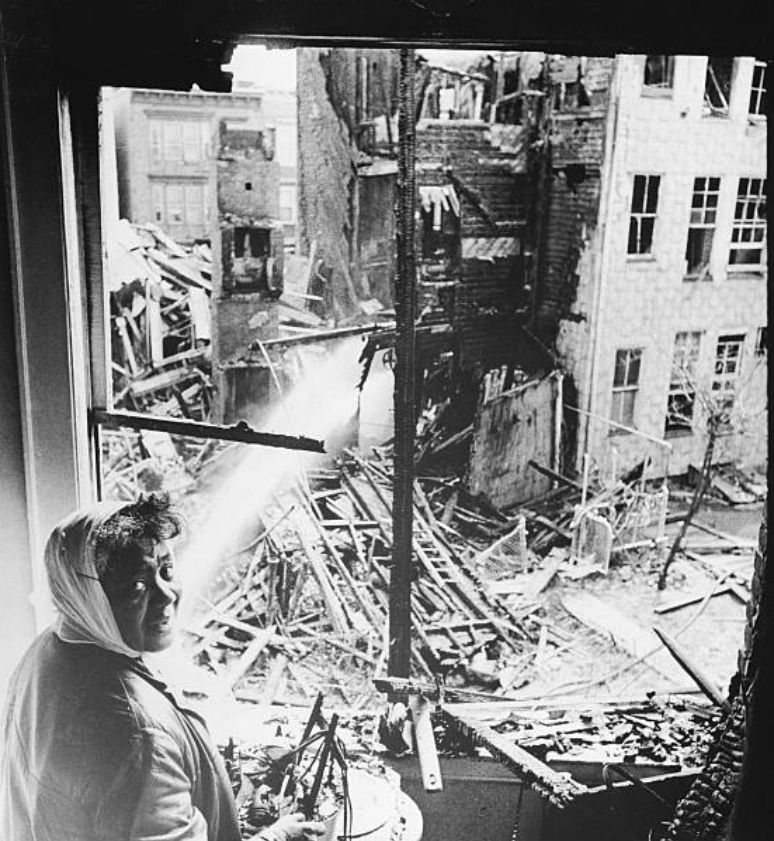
<point x="748" y="234"/>
<point x="683" y="385"/>
<point x="182" y="206"/>
<point x="660" y="70"/>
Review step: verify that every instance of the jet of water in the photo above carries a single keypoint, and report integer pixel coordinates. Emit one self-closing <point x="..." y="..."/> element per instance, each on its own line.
<point x="320" y="405"/>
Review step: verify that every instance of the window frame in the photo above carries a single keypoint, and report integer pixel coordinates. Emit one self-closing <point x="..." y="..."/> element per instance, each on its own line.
<point x="686" y="351"/>
<point x="618" y="414"/>
<point x="724" y="381"/>
<point x="758" y="222"/>
<point x="702" y="223"/>
<point x="708" y="108"/>
<point x="637" y="217"/>
<point x="659" y="88"/>
<point x="758" y="92"/>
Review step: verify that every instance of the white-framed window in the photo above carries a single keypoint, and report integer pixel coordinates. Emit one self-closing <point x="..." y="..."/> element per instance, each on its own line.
<point x="758" y="90"/>
<point x="761" y="342"/>
<point x="287" y="203"/>
<point x="728" y="362"/>
<point x="701" y="227"/>
<point x="181" y="207"/>
<point x="643" y="213"/>
<point x="717" y="85"/>
<point x="179" y="141"/>
<point x="626" y="383"/>
<point x="682" y="382"/>
<point x="659" y="72"/>
<point x="748" y="235"/>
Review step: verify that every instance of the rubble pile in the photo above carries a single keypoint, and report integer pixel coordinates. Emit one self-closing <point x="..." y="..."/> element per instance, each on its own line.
<point x="160" y="323"/>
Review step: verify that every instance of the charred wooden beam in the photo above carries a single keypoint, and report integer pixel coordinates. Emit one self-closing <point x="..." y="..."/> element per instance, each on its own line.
<point x="241" y="431"/>
<point x="405" y="414"/>
<point x="559" y="789"/>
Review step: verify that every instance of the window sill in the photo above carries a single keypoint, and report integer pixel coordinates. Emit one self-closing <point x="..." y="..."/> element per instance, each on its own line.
<point x="715" y="115"/>
<point x="640" y="258"/>
<point x="654" y="92"/>
<point x="677" y="433"/>
<point x="757" y="119"/>
<point x="747" y="273"/>
<point x="699" y="277"/>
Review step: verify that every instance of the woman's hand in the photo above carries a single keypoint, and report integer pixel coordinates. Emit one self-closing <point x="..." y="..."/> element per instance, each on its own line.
<point x="291" y="828"/>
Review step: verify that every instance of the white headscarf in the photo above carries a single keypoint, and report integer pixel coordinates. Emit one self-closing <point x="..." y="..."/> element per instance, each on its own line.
<point x="85" y="615"/>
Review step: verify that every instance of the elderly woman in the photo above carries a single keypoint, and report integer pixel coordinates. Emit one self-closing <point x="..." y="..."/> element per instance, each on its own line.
<point x="95" y="746"/>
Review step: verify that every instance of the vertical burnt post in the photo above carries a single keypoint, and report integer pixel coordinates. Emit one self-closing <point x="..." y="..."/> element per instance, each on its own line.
<point x="404" y="399"/>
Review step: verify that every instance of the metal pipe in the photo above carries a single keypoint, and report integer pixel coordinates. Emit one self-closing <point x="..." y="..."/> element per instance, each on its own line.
<point x="404" y="400"/>
<point x="241" y="431"/>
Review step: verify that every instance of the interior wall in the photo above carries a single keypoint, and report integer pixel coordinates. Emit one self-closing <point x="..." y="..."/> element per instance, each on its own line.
<point x="17" y="621"/>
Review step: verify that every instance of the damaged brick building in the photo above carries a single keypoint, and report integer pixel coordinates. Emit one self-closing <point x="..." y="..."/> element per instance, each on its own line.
<point x="558" y="231"/>
<point x="653" y="271"/>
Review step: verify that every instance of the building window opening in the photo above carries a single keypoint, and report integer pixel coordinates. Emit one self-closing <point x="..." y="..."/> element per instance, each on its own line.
<point x="643" y="213"/>
<point x="704" y="207"/>
<point x="440" y="217"/>
<point x="182" y="208"/>
<point x="748" y="236"/>
<point x="659" y="71"/>
<point x="728" y="361"/>
<point x="758" y="90"/>
<point x="626" y="379"/>
<point x="682" y="383"/>
<point x="761" y="343"/>
<point x="717" y="86"/>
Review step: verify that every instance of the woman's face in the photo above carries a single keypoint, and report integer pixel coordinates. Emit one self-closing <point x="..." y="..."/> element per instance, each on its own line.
<point x="144" y="596"/>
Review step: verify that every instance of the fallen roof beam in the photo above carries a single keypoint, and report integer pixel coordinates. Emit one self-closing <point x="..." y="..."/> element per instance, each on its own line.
<point x="326" y="335"/>
<point x="241" y="431"/>
<point x="557" y="788"/>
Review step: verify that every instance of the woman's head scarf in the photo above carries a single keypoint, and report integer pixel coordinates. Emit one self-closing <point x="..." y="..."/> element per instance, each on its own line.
<point x="84" y="612"/>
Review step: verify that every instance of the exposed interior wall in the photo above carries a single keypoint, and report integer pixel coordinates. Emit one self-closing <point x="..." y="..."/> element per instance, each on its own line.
<point x="508" y="431"/>
<point x="17" y="620"/>
<point x="488" y="283"/>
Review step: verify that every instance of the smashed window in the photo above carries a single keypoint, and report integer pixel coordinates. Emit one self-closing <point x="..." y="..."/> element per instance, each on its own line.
<point x="643" y="213"/>
<point x="704" y="207"/>
<point x="626" y="378"/>
<point x="728" y="361"/>
<point x="717" y="86"/>
<point x="659" y="71"/>
<point x="758" y="90"/>
<point x="748" y="236"/>
<point x="682" y="383"/>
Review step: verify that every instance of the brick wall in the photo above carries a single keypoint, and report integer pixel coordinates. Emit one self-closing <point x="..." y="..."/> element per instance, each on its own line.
<point x="487" y="291"/>
<point x="645" y="299"/>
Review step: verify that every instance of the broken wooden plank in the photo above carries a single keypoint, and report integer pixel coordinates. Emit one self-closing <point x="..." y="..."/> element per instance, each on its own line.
<point x="607" y="620"/>
<point x="274" y="678"/>
<point x="425" y="743"/>
<point x="559" y="789"/>
<point x="730" y="492"/>
<point x="568" y="483"/>
<point x="704" y="683"/>
<point x="239" y="667"/>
